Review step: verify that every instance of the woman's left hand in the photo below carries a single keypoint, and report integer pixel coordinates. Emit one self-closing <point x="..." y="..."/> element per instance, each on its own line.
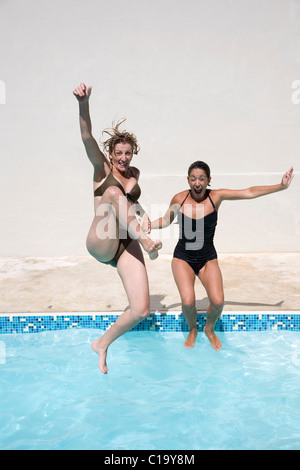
<point x="146" y="223"/>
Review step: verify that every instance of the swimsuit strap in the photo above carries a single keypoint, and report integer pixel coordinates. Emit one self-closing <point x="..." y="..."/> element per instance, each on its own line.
<point x="185" y="198"/>
<point x="188" y="195"/>
<point x="211" y="202"/>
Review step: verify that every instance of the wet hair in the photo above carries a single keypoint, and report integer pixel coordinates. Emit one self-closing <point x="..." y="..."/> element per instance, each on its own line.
<point x="201" y="166"/>
<point x="116" y="136"/>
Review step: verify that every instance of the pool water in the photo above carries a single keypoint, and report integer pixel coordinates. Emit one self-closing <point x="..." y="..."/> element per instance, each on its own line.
<point x="157" y="394"/>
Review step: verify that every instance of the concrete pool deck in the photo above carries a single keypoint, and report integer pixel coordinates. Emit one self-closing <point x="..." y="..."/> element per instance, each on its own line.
<point x="252" y="282"/>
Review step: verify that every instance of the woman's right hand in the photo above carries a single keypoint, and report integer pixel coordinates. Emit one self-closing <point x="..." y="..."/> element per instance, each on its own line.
<point x="82" y="93"/>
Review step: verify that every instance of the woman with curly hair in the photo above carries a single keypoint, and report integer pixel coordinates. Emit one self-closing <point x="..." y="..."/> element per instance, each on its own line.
<point x="115" y="235"/>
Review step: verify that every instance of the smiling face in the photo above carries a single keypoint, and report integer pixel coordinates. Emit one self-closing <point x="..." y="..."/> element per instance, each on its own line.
<point x="121" y="156"/>
<point x="198" y="182"/>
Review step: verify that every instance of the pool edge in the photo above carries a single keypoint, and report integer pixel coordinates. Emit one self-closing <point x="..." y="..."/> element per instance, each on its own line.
<point x="173" y="321"/>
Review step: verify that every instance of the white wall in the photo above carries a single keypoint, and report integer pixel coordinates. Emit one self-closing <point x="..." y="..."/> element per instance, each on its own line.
<point x="196" y="79"/>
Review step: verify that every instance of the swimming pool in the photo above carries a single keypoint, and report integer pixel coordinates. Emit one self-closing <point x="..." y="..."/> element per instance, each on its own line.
<point x="157" y="395"/>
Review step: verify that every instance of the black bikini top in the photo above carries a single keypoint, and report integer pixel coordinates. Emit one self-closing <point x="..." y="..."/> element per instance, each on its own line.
<point x="133" y="195"/>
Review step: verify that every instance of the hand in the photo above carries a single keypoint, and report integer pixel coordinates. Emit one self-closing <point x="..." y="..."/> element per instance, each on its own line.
<point x="82" y="93"/>
<point x="146" y="223"/>
<point x="287" y="178"/>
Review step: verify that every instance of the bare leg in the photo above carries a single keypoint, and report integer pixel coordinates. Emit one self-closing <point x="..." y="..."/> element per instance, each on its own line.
<point x="185" y="279"/>
<point x="113" y="213"/>
<point x="190" y="314"/>
<point x="133" y="273"/>
<point x="211" y="278"/>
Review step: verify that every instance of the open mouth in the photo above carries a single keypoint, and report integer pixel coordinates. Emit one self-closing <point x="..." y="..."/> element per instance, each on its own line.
<point x="123" y="165"/>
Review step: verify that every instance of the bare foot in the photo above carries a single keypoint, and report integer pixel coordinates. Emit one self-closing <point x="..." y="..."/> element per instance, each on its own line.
<point x="151" y="247"/>
<point x="214" y="340"/>
<point x="190" y="341"/>
<point x="96" y="345"/>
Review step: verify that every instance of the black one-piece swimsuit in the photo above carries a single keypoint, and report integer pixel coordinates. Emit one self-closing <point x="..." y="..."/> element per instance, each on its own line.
<point x="196" y="239"/>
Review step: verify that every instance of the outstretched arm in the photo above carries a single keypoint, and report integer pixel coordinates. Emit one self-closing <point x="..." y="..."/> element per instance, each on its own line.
<point x="254" y="191"/>
<point x="97" y="158"/>
<point x="166" y="220"/>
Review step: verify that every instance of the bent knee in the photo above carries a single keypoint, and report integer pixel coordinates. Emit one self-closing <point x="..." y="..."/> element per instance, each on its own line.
<point x="188" y="303"/>
<point x="92" y="242"/>
<point x="217" y="303"/>
<point x="145" y="312"/>
<point x="188" y="299"/>
<point x="113" y="193"/>
<point x="142" y="312"/>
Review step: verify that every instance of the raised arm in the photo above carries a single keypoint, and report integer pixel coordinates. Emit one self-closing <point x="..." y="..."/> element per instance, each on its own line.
<point x="96" y="157"/>
<point x="254" y="191"/>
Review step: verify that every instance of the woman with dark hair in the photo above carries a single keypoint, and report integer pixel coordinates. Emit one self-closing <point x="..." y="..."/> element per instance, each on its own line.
<point x="195" y="254"/>
<point x="115" y="235"/>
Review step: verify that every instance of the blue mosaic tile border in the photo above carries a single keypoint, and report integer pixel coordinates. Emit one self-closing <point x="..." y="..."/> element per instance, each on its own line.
<point x="168" y="322"/>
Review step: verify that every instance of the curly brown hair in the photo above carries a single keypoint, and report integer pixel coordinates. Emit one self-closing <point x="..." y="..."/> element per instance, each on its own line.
<point x="117" y="136"/>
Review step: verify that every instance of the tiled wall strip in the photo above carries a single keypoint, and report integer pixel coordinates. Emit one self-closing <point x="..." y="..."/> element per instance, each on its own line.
<point x="172" y="322"/>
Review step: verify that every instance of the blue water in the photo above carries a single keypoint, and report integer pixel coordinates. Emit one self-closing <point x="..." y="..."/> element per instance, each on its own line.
<point x="157" y="395"/>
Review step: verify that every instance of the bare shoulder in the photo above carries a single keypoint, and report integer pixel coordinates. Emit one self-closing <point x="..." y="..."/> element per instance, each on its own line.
<point x="179" y="197"/>
<point x="135" y="171"/>
<point x="217" y="196"/>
